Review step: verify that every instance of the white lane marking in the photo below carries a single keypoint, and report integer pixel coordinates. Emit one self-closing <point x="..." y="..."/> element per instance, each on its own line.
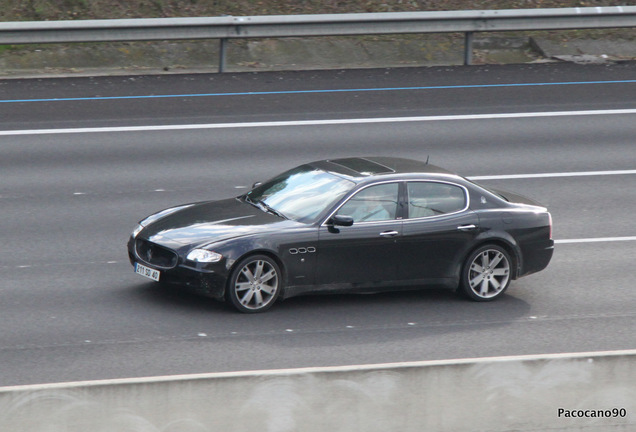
<point x="551" y="175"/>
<point x="596" y="240"/>
<point x="318" y="122"/>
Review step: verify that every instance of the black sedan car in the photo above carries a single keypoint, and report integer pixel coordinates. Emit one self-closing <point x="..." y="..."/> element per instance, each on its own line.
<point x="355" y="225"/>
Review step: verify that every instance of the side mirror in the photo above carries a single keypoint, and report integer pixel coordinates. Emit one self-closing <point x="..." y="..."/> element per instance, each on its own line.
<point x="257" y="184"/>
<point x="341" y="220"/>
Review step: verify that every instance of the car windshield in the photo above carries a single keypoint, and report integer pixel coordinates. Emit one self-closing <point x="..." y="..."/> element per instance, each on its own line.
<point x="301" y="194"/>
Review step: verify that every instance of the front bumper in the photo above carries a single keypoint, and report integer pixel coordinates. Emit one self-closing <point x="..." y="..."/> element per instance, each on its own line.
<point x="209" y="281"/>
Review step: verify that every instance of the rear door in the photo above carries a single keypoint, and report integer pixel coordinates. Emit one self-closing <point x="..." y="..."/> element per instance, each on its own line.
<point x="438" y="229"/>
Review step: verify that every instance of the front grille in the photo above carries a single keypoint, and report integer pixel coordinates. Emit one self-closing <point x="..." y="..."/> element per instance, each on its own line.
<point x="154" y="254"/>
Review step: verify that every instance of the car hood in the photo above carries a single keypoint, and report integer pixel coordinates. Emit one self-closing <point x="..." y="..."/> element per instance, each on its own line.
<point x="211" y="221"/>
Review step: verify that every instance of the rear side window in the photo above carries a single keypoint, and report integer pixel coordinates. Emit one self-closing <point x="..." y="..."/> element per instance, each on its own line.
<point x="434" y="199"/>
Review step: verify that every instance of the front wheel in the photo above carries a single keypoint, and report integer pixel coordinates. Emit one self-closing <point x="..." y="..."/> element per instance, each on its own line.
<point x="486" y="273"/>
<point x="254" y="284"/>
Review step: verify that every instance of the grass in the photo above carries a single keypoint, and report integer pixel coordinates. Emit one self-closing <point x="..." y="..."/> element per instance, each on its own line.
<point x="41" y="10"/>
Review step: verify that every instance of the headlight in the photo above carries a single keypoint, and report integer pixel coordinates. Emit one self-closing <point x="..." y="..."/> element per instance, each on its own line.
<point x="137" y="230"/>
<point x="202" y="255"/>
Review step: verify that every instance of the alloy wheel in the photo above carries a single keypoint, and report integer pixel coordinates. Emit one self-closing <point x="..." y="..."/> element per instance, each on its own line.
<point x="487" y="274"/>
<point x="255" y="285"/>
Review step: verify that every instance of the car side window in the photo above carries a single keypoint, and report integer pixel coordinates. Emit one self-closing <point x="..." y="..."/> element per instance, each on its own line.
<point x="375" y="203"/>
<point x="433" y="199"/>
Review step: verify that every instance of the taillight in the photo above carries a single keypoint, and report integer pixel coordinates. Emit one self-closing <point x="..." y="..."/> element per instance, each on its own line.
<point x="550" y="222"/>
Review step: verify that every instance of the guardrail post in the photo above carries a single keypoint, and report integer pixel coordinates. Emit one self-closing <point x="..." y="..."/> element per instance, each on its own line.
<point x="468" y="48"/>
<point x="222" y="43"/>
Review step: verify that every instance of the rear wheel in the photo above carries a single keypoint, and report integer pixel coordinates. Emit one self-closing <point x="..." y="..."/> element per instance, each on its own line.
<point x="486" y="273"/>
<point x="254" y="284"/>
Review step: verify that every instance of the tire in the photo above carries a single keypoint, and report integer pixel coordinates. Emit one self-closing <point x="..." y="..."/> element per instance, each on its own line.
<point x="255" y="284"/>
<point x="486" y="273"/>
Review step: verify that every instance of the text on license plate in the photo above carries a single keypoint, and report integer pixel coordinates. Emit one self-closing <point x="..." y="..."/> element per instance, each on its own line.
<point x="147" y="272"/>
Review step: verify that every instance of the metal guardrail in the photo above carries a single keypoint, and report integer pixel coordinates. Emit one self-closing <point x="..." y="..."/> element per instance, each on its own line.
<point x="279" y="26"/>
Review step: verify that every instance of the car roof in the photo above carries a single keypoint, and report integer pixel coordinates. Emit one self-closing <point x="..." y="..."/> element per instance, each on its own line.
<point x="361" y="168"/>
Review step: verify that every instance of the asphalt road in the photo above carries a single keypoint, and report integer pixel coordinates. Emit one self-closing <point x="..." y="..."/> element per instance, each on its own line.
<point x="72" y="309"/>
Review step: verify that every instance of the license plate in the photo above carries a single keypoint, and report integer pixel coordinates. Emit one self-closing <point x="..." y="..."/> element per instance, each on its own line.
<point x="147" y="272"/>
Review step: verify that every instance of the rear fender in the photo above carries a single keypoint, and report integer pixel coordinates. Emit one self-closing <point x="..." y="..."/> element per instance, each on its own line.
<point x="500" y="238"/>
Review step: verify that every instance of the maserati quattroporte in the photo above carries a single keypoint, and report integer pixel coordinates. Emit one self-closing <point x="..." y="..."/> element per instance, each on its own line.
<point x="347" y="225"/>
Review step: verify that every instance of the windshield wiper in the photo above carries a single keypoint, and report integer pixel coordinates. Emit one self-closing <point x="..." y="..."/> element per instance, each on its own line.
<point x="249" y="200"/>
<point x="261" y="205"/>
<point x="270" y="209"/>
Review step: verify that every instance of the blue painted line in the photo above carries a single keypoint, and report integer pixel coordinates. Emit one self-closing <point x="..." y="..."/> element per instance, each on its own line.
<point x="293" y="92"/>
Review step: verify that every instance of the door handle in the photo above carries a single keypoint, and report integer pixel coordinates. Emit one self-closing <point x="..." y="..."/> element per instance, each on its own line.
<point x="467" y="227"/>
<point x="389" y="233"/>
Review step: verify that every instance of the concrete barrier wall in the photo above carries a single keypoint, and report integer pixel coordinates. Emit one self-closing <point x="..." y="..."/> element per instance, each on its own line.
<point x="591" y="392"/>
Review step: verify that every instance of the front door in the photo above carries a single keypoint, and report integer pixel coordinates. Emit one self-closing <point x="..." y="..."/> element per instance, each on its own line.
<point x="366" y="252"/>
